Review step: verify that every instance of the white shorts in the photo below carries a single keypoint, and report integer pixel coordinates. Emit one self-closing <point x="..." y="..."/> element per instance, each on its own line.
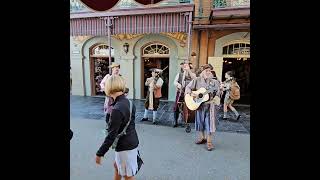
<point x="127" y="162"/>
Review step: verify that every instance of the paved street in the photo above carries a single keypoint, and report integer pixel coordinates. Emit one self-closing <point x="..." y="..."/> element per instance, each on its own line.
<point x="169" y="153"/>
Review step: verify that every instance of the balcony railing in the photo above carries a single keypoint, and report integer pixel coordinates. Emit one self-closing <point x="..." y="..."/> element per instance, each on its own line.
<point x="230" y="3"/>
<point x="76" y="6"/>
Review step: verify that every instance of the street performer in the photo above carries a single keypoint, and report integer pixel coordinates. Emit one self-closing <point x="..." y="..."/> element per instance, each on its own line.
<point x="107" y="108"/>
<point x="182" y="79"/>
<point x="205" y="115"/>
<point x="154" y="94"/>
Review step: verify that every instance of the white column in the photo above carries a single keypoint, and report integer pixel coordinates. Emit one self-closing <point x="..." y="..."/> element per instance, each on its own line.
<point x="217" y="63"/>
<point x="127" y="72"/>
<point x="77" y="74"/>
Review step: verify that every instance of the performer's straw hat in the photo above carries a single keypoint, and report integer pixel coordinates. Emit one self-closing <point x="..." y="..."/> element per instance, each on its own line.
<point x="156" y="70"/>
<point x="114" y="65"/>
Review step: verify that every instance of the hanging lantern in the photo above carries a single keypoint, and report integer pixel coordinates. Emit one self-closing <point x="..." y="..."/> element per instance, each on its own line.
<point x="126" y="47"/>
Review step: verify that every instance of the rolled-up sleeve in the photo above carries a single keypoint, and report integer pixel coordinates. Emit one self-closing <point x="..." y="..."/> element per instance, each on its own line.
<point x="190" y="86"/>
<point x="103" y="81"/>
<point x="159" y="83"/>
<point x="115" y="122"/>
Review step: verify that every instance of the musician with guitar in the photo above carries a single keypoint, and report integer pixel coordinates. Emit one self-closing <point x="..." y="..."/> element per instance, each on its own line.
<point x="154" y="94"/>
<point x="182" y="79"/>
<point x="203" y="99"/>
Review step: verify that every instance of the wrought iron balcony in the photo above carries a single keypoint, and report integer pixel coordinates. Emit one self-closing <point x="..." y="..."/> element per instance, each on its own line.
<point x="76" y="6"/>
<point x="230" y="3"/>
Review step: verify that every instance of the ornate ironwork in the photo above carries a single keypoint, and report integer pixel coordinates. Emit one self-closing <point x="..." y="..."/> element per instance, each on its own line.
<point x="230" y="3"/>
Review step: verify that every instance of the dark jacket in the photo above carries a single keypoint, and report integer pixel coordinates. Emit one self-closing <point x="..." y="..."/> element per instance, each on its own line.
<point x="118" y="120"/>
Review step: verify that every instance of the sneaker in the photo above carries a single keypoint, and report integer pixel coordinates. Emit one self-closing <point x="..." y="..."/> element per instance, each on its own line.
<point x="238" y="117"/>
<point x="144" y="119"/>
<point x="155" y="123"/>
<point x="175" y="125"/>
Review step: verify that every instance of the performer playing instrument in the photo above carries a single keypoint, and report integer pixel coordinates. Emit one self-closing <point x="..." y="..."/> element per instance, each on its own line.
<point x="154" y="94"/>
<point x="205" y="114"/>
<point x="182" y="79"/>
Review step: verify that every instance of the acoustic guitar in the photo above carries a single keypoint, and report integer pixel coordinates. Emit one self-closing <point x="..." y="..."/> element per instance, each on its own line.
<point x="193" y="102"/>
<point x="201" y="95"/>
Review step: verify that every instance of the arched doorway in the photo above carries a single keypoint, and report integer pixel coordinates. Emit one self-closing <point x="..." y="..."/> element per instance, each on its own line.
<point x="99" y="63"/>
<point x="236" y="58"/>
<point x="155" y="55"/>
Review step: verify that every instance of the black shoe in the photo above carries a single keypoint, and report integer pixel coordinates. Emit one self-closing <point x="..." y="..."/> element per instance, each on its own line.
<point x="155" y="123"/>
<point x="224" y="118"/>
<point x="144" y="119"/>
<point x="175" y="125"/>
<point x="238" y="117"/>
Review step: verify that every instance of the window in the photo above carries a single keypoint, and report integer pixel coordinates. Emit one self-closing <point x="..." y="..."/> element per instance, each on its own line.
<point x="236" y="49"/>
<point x="102" y="50"/>
<point x="156" y="50"/>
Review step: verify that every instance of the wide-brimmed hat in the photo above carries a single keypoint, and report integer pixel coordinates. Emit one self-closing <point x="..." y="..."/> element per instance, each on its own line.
<point x="114" y="65"/>
<point x="207" y="66"/>
<point x="156" y="70"/>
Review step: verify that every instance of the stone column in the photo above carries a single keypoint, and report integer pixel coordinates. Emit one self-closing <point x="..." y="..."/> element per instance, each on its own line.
<point x="127" y="71"/>
<point x="77" y="72"/>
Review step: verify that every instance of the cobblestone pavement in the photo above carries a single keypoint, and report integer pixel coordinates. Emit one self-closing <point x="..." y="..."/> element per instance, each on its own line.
<point x="92" y="108"/>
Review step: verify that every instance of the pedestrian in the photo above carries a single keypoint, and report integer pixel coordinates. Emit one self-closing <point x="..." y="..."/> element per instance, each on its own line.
<point x="226" y="86"/>
<point x="205" y="115"/>
<point x="126" y="148"/>
<point x="115" y="68"/>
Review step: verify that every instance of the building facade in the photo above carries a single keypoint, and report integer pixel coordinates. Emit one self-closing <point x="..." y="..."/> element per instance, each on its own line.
<point x="159" y="35"/>
<point x="221" y="37"/>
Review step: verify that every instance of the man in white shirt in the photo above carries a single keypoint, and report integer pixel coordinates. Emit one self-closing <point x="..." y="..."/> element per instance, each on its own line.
<point x="115" y="68"/>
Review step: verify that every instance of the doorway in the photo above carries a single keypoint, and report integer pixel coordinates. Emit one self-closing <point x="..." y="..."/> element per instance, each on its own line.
<point x="155" y="55"/>
<point x="99" y="63"/>
<point x="160" y="63"/>
<point x="241" y="69"/>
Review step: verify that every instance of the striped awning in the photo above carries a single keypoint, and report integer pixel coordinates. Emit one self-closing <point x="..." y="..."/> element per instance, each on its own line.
<point x="132" y="24"/>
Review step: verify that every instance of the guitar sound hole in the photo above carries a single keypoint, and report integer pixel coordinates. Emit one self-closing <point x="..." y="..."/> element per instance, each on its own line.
<point x="200" y="95"/>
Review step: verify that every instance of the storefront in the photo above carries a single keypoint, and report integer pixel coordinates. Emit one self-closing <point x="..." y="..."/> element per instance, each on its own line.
<point x="140" y="39"/>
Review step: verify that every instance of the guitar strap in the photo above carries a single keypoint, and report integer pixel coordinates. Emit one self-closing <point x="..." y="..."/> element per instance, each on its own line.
<point x="195" y="86"/>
